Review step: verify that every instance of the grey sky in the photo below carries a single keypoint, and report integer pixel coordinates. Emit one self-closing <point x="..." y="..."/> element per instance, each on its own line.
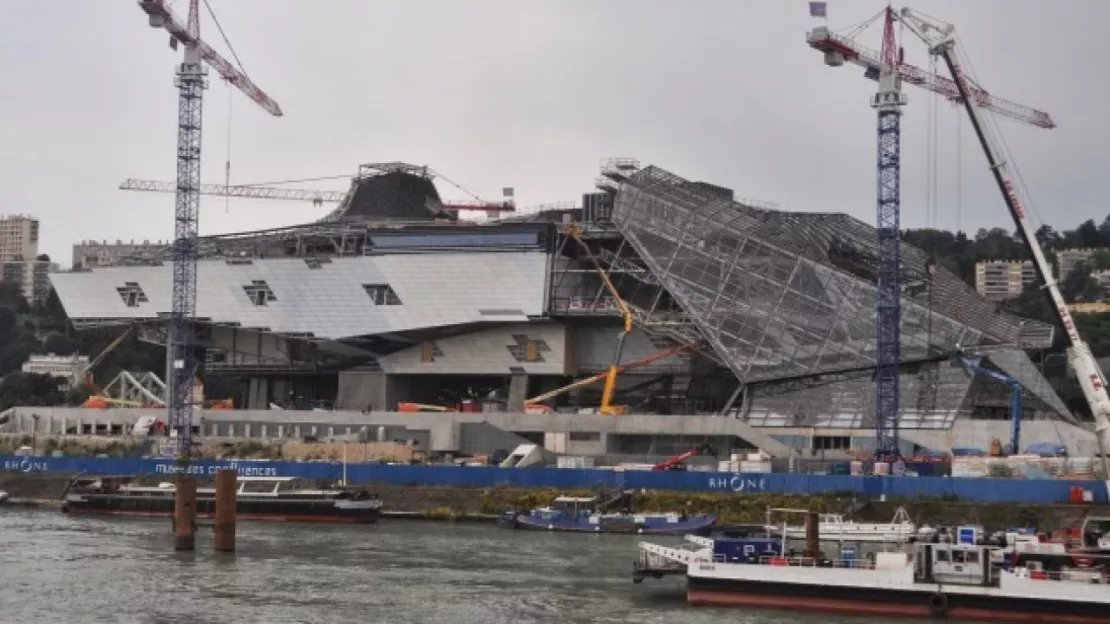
<point x="529" y="94"/>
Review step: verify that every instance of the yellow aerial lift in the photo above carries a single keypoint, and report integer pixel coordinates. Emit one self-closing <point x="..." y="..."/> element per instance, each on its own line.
<point x="575" y="231"/>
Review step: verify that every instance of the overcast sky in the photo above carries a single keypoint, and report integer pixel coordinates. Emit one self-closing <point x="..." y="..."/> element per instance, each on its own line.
<point x="532" y="94"/>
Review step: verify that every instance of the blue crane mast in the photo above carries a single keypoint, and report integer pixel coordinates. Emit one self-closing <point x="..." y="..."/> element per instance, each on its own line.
<point x="890" y="70"/>
<point x="191" y="81"/>
<point x="888" y="102"/>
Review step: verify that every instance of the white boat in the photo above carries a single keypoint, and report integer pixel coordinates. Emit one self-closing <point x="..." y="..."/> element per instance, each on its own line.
<point x="835" y="527"/>
<point x="969" y="580"/>
<point x="3" y="497"/>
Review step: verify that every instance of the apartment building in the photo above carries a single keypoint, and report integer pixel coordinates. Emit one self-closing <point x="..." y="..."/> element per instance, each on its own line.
<point x="19" y="253"/>
<point x="70" y="368"/>
<point x="999" y="280"/>
<point x="1068" y="260"/>
<point x="89" y="254"/>
<point x="19" y="238"/>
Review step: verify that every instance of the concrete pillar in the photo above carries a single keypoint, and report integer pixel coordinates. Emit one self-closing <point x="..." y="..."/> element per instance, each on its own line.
<point x="281" y="431"/>
<point x="262" y="432"/>
<point x="185" y="514"/>
<point x="518" y="392"/>
<point x="223" y="527"/>
<point x="260" y="394"/>
<point x="297" y="431"/>
<point x="359" y="390"/>
<point x="246" y="430"/>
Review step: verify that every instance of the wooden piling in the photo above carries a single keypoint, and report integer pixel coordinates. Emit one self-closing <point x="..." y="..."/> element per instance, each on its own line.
<point x="185" y="514"/>
<point x="813" y="535"/>
<point x="223" y="528"/>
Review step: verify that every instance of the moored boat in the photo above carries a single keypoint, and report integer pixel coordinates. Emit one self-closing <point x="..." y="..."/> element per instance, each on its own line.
<point x="590" y="515"/>
<point x="968" y="579"/>
<point x="835" y="527"/>
<point x="282" y="499"/>
<point x="3" y="497"/>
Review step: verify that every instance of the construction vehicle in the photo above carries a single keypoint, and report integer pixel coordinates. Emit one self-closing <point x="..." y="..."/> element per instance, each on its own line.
<point x="974" y="366"/>
<point x="941" y="39"/>
<point x="678" y="462"/>
<point x="575" y="231"/>
<point x="536" y="403"/>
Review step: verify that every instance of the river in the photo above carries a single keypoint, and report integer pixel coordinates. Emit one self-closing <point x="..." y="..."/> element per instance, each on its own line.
<point x="55" y="568"/>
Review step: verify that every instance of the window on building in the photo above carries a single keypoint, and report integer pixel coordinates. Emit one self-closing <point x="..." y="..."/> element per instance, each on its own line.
<point x="429" y="351"/>
<point x="132" y="294"/>
<point x="259" y="292"/>
<point x="382" y="294"/>
<point x="527" y="349"/>
<point x="832" y="443"/>
<point x="584" y="436"/>
<point x="238" y="261"/>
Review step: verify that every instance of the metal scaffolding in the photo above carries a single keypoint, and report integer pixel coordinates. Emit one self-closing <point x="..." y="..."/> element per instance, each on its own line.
<point x="781" y="295"/>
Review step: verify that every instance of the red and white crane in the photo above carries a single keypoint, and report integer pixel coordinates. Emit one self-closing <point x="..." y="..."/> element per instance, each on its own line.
<point x="941" y="38"/>
<point x="839" y="49"/>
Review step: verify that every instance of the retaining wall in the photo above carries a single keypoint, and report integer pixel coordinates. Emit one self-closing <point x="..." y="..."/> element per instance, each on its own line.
<point x="976" y="490"/>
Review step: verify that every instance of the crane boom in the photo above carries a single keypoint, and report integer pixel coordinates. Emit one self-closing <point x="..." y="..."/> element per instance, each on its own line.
<point x="575" y="232"/>
<point x="1087" y="370"/>
<point x="292" y="194"/>
<point x="162" y="17"/>
<point x="839" y="49"/>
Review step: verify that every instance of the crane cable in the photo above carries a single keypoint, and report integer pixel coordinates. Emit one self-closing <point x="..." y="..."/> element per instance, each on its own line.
<point x="234" y="55"/>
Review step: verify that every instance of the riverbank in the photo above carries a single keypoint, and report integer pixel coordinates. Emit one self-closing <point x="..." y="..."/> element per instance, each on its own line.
<point x="483" y="504"/>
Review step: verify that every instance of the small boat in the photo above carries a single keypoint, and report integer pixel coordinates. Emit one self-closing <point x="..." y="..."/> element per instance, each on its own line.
<point x="282" y="499"/>
<point x="835" y="527"/>
<point x="960" y="579"/>
<point x="3" y="497"/>
<point x="589" y="515"/>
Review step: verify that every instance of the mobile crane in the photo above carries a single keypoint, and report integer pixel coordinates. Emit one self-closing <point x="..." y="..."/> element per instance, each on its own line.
<point x="941" y="39"/>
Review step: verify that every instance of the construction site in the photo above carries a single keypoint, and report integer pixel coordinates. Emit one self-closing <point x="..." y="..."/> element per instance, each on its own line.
<point x="658" y="313"/>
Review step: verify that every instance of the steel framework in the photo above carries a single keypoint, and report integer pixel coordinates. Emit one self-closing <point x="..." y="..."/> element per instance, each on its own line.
<point x="888" y="102"/>
<point x="191" y="83"/>
<point x="783" y="295"/>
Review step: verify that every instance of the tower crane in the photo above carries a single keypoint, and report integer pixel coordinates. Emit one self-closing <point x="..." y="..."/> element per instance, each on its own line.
<point x="191" y="81"/>
<point x="941" y="39"/>
<point x="317" y="197"/>
<point x="887" y="67"/>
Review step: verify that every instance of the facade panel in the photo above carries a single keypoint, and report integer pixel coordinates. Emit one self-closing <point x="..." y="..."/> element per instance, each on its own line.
<point x="329" y="301"/>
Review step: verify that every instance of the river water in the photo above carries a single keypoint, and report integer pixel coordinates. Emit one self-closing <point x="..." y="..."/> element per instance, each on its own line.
<point x="56" y="568"/>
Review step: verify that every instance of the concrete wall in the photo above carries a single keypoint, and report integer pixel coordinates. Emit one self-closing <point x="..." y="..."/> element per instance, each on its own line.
<point x="443" y="429"/>
<point x="488" y="352"/>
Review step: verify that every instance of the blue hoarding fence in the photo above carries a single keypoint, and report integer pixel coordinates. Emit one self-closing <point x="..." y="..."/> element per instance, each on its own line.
<point x="1031" y="491"/>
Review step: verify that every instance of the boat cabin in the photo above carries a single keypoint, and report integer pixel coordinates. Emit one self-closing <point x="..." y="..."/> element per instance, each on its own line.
<point x="955" y="563"/>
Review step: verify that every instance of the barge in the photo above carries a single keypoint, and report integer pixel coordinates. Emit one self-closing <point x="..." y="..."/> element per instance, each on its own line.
<point x="968" y="579"/>
<point x="590" y="515"/>
<point x="281" y="499"/>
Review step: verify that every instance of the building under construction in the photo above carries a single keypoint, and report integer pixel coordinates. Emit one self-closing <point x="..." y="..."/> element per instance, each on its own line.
<point x="759" y="320"/>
